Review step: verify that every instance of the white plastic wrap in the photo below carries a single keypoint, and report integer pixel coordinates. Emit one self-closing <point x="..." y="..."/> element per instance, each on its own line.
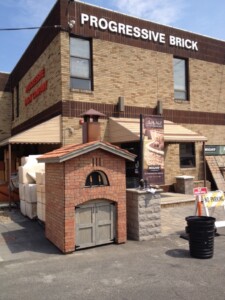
<point x="30" y="193"/>
<point x="31" y="210"/>
<point x="22" y="191"/>
<point x="23" y="207"/>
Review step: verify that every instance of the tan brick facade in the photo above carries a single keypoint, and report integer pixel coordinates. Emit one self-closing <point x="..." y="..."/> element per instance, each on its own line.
<point x="142" y="76"/>
<point x="5" y="119"/>
<point x="65" y="189"/>
<point x="172" y="164"/>
<point x="50" y="60"/>
<point x="138" y="71"/>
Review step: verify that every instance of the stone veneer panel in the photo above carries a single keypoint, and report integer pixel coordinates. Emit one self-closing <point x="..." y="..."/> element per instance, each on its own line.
<point x="143" y="215"/>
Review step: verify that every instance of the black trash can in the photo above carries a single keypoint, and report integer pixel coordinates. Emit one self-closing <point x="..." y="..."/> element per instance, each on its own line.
<point x="201" y="232"/>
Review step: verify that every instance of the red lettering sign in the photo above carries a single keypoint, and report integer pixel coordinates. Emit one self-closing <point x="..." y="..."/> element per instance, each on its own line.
<point x="39" y="90"/>
<point x="35" y="80"/>
<point x="200" y="191"/>
<point x="42" y="88"/>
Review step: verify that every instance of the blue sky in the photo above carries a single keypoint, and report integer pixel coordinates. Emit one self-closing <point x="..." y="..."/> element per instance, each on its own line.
<point x="205" y="17"/>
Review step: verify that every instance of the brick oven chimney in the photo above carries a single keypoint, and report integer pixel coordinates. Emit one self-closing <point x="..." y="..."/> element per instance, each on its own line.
<point x="91" y="126"/>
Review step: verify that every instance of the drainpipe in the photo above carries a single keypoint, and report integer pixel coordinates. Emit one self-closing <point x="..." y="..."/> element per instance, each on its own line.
<point x="141" y="171"/>
<point x="204" y="164"/>
<point x="9" y="173"/>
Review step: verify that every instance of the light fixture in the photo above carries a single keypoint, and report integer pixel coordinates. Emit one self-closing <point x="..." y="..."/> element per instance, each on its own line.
<point x="121" y="104"/>
<point x="71" y="23"/>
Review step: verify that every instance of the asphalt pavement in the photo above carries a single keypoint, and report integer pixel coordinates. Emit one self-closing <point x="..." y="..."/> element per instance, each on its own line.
<point x="162" y="268"/>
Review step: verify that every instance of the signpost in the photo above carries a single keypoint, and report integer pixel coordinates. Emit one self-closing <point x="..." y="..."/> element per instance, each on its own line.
<point x="198" y="192"/>
<point x="211" y="199"/>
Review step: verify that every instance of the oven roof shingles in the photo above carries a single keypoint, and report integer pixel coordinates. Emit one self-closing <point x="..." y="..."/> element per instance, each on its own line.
<point x="70" y="151"/>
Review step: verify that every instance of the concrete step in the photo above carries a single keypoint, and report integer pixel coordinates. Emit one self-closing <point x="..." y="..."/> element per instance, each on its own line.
<point x="174" y="199"/>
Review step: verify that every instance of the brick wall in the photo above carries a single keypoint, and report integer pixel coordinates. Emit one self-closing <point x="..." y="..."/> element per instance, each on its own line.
<point x="172" y="164"/>
<point x="5" y="119"/>
<point x="144" y="76"/>
<point x="55" y="204"/>
<point x="75" y="136"/>
<point x="64" y="193"/>
<point x="51" y="61"/>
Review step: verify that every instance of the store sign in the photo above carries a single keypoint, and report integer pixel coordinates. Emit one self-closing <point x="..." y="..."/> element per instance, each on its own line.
<point x="153" y="149"/>
<point x="137" y="32"/>
<point x="34" y="89"/>
<point x="214" y="150"/>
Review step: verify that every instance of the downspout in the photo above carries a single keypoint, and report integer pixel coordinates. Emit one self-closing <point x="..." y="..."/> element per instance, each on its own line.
<point x="204" y="164"/>
<point x="9" y="173"/>
<point x="141" y="171"/>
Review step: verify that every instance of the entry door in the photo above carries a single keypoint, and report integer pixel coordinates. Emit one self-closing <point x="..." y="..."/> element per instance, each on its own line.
<point x="95" y="224"/>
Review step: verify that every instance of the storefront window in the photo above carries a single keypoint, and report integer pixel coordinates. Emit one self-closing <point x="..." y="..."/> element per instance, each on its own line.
<point x="80" y="64"/>
<point x="180" y="72"/>
<point x="187" y="155"/>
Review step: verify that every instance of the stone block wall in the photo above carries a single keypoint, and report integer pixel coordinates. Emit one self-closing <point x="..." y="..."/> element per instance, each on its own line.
<point x="143" y="215"/>
<point x="184" y="185"/>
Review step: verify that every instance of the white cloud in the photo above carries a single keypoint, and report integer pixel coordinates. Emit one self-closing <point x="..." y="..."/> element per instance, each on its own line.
<point x="160" y="11"/>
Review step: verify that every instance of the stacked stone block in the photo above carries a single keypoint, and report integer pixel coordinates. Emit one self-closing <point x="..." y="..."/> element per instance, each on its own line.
<point x="143" y="215"/>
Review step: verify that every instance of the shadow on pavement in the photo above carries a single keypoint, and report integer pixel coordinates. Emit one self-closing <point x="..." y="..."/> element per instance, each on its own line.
<point x="178" y="253"/>
<point x="21" y="234"/>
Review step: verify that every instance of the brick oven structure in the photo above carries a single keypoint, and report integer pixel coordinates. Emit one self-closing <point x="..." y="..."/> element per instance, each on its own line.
<point x="87" y="178"/>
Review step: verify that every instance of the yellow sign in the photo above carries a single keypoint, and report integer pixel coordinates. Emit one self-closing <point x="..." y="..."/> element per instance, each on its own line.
<point x="214" y="199"/>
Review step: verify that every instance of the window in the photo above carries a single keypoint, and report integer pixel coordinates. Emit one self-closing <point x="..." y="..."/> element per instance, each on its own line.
<point x="187" y="155"/>
<point x="180" y="72"/>
<point x="13" y="93"/>
<point x="80" y="64"/>
<point x="96" y="178"/>
<point x="17" y="101"/>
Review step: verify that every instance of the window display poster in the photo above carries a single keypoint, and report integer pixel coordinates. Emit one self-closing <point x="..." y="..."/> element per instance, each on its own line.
<point x="153" y="149"/>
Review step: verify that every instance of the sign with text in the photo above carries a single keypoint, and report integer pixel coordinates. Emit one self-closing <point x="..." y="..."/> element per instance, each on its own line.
<point x="214" y="150"/>
<point x="213" y="199"/>
<point x="200" y="191"/>
<point x="105" y="24"/>
<point x="153" y="149"/>
<point x="36" y="87"/>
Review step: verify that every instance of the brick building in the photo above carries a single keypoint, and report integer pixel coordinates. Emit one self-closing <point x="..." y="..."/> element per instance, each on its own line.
<point x="122" y="67"/>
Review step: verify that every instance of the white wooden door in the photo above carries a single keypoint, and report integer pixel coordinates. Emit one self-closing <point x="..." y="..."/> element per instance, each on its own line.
<point x="95" y="224"/>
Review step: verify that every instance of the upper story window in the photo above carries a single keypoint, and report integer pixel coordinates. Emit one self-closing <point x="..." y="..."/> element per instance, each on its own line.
<point x="180" y="73"/>
<point x="80" y="64"/>
<point x="187" y="155"/>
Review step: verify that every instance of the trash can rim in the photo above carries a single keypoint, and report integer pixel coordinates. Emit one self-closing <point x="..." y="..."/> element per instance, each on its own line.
<point x="200" y="218"/>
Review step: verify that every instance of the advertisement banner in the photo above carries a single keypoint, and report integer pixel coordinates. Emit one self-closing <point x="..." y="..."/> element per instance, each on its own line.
<point x="153" y="149"/>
